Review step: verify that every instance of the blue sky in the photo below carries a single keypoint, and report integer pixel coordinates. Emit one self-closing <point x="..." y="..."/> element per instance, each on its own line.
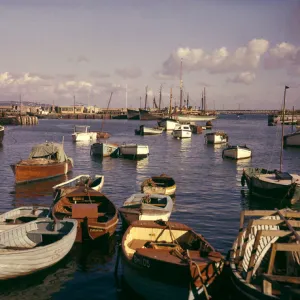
<point x="244" y="52"/>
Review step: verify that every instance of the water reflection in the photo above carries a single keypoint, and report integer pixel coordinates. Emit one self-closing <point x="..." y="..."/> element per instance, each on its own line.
<point x="40" y="285"/>
<point x="185" y="144"/>
<point x="35" y="193"/>
<point x="143" y="163"/>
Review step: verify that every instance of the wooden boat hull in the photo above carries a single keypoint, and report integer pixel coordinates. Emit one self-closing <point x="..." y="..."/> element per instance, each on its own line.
<point x="168" y="124"/>
<point x="170" y="190"/>
<point x="182" y="134"/>
<point x="144" y="268"/>
<point x="133" y="114"/>
<point x="27" y="173"/>
<point x="195" y="118"/>
<point x="149" y="115"/>
<point x="269" y="190"/>
<point x="151" y="131"/>
<point x="1" y="134"/>
<point x="103" y="149"/>
<point x="16" y="263"/>
<point x="236" y="153"/>
<point x="163" y="185"/>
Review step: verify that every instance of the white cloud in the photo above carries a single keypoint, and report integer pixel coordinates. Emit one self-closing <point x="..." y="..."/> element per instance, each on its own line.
<point x="96" y="74"/>
<point x="129" y="72"/>
<point x="244" y="77"/>
<point x="161" y="76"/>
<point x="219" y="61"/>
<point x="284" y="55"/>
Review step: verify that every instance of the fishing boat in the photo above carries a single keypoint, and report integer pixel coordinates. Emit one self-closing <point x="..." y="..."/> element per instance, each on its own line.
<point x="147" y="115"/>
<point x="163" y="185"/>
<point x="148" y="131"/>
<point x="292" y="139"/>
<point x="134" y="151"/>
<point x="45" y="161"/>
<point x="22" y="214"/>
<point x="97" y="216"/>
<point x="133" y="114"/>
<point x="218" y="137"/>
<point x="1" y="133"/>
<point x="264" y="259"/>
<point x="146" y="207"/>
<point x="168" y="260"/>
<point x="96" y="183"/>
<point x="182" y="131"/>
<point x="273" y="184"/>
<point x="34" y="246"/>
<point x="237" y="152"/>
<point x="195" y="117"/>
<point x="103" y="149"/>
<point x="83" y="133"/>
<point x="168" y="123"/>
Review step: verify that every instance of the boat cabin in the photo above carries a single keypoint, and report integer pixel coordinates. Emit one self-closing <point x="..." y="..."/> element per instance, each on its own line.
<point x="81" y="129"/>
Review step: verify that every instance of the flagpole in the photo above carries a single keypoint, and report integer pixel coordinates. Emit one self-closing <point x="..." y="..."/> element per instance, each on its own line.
<point x="282" y="127"/>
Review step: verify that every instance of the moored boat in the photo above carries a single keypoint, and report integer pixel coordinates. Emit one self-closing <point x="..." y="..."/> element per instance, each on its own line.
<point x="237" y="152"/>
<point x="182" y="131"/>
<point x="146" y="207"/>
<point x="133" y="114"/>
<point x="103" y="149"/>
<point x="292" y="139"/>
<point x="163" y="184"/>
<point x="97" y="216"/>
<point x="148" y="131"/>
<point x="168" y="260"/>
<point x="83" y="133"/>
<point x="168" y="123"/>
<point x="134" y="151"/>
<point x="34" y="246"/>
<point x="187" y="117"/>
<point x="96" y="183"/>
<point x="272" y="184"/>
<point x="45" y="161"/>
<point x="218" y="137"/>
<point x="152" y="114"/>
<point x="1" y="133"/>
<point x="264" y="259"/>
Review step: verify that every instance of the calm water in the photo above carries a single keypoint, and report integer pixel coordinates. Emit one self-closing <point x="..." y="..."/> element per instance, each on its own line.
<point x="209" y="195"/>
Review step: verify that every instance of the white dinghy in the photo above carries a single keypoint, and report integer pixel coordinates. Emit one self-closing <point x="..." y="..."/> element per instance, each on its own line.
<point x="35" y="246"/>
<point x="182" y="131"/>
<point x="83" y="133"/>
<point x="146" y="207"/>
<point x="134" y="151"/>
<point x="237" y="152"/>
<point x="218" y="137"/>
<point x="96" y="183"/>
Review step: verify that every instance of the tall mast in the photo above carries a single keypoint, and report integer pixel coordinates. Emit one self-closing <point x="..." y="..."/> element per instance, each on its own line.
<point x="181" y="84"/>
<point x="74" y="103"/>
<point x="170" y="108"/>
<point x="282" y="126"/>
<point x="187" y="101"/>
<point x="146" y="97"/>
<point x="126" y="96"/>
<point x="204" y="99"/>
<point x="159" y="104"/>
<point x="140" y="102"/>
<point x="202" y="103"/>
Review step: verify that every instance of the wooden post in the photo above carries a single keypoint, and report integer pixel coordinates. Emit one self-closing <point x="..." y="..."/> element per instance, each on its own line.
<point x="242" y="219"/>
<point x="282" y="127"/>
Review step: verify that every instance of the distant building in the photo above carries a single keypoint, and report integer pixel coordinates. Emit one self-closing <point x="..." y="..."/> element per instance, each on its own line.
<point x="71" y="109"/>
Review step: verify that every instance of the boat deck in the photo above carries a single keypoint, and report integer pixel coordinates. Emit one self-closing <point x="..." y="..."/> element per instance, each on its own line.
<point x="271" y="179"/>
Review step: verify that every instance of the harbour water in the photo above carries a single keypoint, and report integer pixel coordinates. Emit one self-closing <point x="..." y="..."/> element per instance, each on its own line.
<point x="209" y="194"/>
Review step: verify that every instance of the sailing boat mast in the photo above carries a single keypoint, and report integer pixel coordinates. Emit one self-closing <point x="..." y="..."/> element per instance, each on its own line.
<point x="170" y="108"/>
<point x="103" y="119"/>
<point x="146" y="97"/>
<point x="282" y="127"/>
<point x="181" y="85"/>
<point x="159" y="104"/>
<point x="126" y="96"/>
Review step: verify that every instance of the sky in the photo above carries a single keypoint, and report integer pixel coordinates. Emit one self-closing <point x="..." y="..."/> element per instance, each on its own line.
<point x="242" y="51"/>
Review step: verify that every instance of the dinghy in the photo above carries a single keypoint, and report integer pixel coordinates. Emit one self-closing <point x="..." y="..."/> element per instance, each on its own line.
<point x="218" y="137"/>
<point x="163" y="184"/>
<point x="237" y="152"/>
<point x="34" y="246"/>
<point x="83" y="133"/>
<point x="1" y="133"/>
<point x="134" y="151"/>
<point x="103" y="149"/>
<point x="96" y="183"/>
<point x="168" y="260"/>
<point x="146" y="207"/>
<point x="148" y="131"/>
<point x="264" y="259"/>
<point x="97" y="216"/>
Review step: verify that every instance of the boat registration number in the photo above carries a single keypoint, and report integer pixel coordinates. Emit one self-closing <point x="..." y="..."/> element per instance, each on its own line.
<point x="144" y="262"/>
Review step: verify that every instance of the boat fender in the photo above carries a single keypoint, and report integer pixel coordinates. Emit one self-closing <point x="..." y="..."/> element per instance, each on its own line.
<point x="243" y="180"/>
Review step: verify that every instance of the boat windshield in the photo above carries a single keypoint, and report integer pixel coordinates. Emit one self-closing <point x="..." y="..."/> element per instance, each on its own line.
<point x="82" y="129"/>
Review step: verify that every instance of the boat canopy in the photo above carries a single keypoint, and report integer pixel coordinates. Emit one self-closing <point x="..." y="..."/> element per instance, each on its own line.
<point x="50" y="151"/>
